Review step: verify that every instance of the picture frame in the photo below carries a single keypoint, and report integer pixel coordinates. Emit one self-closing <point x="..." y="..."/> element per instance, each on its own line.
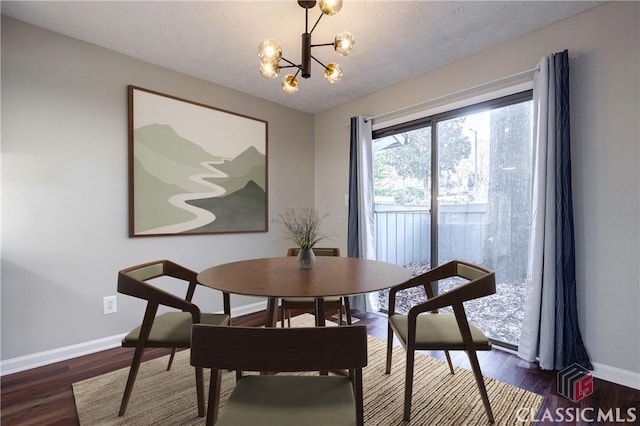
<point x="194" y="168"/>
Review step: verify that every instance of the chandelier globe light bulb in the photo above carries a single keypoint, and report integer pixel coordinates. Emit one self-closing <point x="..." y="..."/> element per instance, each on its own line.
<point x="330" y="7"/>
<point x="269" y="50"/>
<point x="270" y="69"/>
<point x="290" y="84"/>
<point x="344" y="43"/>
<point x="333" y="73"/>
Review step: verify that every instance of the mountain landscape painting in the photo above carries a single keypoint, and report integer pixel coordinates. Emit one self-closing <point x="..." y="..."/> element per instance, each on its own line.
<point x="194" y="169"/>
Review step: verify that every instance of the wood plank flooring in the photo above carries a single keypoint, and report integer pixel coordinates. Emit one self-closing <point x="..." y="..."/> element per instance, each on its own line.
<point x="43" y="396"/>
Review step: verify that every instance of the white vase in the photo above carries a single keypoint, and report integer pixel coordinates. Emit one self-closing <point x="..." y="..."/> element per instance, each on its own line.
<point x="306" y="258"/>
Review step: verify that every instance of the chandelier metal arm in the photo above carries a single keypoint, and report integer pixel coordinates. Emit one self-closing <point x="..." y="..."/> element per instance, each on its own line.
<point x="323" y="44"/>
<point x="291" y="64"/>
<point x="316" y="59"/>
<point x="314" y="25"/>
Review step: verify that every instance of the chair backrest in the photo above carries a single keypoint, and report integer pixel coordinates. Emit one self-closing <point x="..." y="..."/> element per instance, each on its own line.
<point x="133" y="281"/>
<point x="279" y="349"/>
<point x="318" y="251"/>
<point x="480" y="282"/>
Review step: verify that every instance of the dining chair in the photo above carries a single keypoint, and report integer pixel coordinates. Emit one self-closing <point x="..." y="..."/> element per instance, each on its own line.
<point x="335" y="302"/>
<point x="424" y="328"/>
<point x="283" y="399"/>
<point x="170" y="329"/>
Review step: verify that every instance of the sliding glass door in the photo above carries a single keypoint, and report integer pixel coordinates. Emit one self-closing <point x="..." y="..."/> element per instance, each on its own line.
<point x="456" y="186"/>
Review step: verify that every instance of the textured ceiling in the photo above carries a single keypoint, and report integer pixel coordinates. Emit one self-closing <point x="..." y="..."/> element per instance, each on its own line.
<point x="217" y="40"/>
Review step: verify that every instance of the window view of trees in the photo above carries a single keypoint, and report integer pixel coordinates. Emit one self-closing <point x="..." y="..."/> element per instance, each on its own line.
<point x="483" y="168"/>
<point x="402" y="169"/>
<point x="410" y="163"/>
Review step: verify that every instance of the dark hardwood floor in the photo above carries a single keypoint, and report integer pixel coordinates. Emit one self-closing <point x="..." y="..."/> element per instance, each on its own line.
<point x="43" y="396"/>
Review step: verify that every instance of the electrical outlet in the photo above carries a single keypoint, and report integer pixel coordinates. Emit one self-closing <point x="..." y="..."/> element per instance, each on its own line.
<point x="109" y="305"/>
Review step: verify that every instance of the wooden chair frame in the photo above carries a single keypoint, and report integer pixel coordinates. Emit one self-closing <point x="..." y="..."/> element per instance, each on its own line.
<point x="132" y="282"/>
<point x="341" y="304"/>
<point x="297" y="349"/>
<point x="481" y="283"/>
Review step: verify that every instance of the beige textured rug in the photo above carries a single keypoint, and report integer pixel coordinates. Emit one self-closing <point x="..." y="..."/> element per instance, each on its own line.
<point x="163" y="397"/>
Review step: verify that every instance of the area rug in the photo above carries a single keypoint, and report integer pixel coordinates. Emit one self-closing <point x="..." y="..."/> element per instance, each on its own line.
<point x="163" y="397"/>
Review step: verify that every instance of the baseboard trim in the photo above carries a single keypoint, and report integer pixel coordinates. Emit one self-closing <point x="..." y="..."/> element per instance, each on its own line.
<point x="605" y="372"/>
<point x="616" y="375"/>
<point x="27" y="362"/>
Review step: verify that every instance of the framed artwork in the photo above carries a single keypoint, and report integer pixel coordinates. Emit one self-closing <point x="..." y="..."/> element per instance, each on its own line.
<point x="193" y="168"/>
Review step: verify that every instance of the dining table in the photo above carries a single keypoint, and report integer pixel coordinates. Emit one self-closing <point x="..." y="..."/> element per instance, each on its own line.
<point x="278" y="277"/>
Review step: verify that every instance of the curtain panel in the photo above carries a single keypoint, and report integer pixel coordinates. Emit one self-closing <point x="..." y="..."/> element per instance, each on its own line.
<point x="550" y="330"/>
<point x="360" y="229"/>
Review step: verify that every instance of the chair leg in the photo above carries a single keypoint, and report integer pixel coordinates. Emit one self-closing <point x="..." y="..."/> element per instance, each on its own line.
<point x="446" y="354"/>
<point x="200" y="391"/>
<point x="475" y="366"/>
<point x="214" y="398"/>
<point x="173" y="354"/>
<point x="387" y="369"/>
<point x="133" y="373"/>
<point x="408" y="384"/>
<point x="347" y="309"/>
<point x="281" y="316"/>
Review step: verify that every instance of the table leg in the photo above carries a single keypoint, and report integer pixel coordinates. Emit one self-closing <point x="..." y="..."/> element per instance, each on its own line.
<point x="226" y="303"/>
<point x="272" y="307"/>
<point x="320" y="312"/>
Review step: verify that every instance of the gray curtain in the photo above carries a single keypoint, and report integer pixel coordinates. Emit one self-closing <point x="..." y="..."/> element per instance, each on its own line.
<point x="550" y="330"/>
<point x="360" y="237"/>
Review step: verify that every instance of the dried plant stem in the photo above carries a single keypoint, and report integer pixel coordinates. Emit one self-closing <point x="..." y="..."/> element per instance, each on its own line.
<point x="302" y="226"/>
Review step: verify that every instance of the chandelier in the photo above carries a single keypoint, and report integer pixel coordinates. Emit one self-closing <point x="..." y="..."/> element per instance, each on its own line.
<point x="270" y="52"/>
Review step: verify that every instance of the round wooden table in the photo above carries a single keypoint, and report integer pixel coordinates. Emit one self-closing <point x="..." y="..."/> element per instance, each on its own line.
<point x="277" y="277"/>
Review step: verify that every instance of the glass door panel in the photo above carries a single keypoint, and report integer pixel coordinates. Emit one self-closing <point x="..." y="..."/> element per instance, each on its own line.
<point x="402" y="199"/>
<point x="484" y="168"/>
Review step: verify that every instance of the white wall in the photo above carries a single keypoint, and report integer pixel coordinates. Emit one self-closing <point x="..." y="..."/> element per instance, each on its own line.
<point x="604" y="84"/>
<point x="64" y="187"/>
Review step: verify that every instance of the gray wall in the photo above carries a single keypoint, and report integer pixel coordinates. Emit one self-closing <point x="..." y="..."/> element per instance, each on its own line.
<point x="64" y="187"/>
<point x="604" y="83"/>
<point x="64" y="176"/>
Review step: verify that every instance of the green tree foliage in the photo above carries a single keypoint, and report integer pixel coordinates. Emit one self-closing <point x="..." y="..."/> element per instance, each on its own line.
<point x="408" y="157"/>
<point x="453" y="145"/>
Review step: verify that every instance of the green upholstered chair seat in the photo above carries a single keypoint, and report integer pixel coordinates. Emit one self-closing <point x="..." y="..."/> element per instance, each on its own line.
<point x="291" y="401"/>
<point x="172" y="329"/>
<point x="435" y="331"/>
